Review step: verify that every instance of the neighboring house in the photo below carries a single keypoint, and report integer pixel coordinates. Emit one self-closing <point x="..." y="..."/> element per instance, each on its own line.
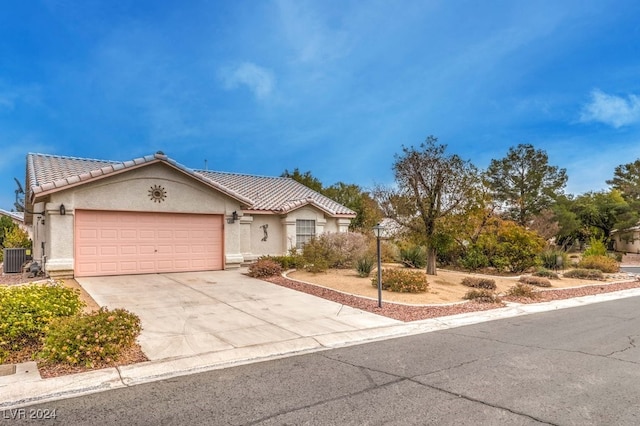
<point x="18" y="219"/>
<point x="151" y="214"/>
<point x="627" y="240"/>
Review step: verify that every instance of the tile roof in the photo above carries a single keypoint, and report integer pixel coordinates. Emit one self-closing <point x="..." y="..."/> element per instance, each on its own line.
<point x="277" y="194"/>
<point x="49" y="173"/>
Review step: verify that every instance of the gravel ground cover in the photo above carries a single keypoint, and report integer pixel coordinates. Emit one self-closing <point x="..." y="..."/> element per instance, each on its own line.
<point x="405" y="312"/>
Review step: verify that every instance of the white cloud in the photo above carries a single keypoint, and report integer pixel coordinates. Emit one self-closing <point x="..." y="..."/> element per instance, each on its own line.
<point x="259" y="80"/>
<point x="10" y="97"/>
<point x="316" y="34"/>
<point x="613" y="110"/>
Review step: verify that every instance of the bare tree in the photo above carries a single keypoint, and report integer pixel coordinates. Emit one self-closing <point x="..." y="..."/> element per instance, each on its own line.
<point x="430" y="185"/>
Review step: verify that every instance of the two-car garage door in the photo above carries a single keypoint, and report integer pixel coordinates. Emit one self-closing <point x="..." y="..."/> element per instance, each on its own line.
<point x="115" y="243"/>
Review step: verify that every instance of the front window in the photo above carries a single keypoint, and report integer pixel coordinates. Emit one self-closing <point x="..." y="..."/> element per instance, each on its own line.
<point x="305" y="231"/>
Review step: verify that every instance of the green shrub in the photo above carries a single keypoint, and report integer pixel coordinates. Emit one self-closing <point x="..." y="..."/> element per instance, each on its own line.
<point x="264" y="267"/>
<point x="290" y="261"/>
<point x="27" y="311"/>
<point x="402" y="281"/>
<point x="522" y="290"/>
<point x="589" y="274"/>
<point x="414" y="257"/>
<point x="448" y="249"/>
<point x="596" y="248"/>
<point x="474" y="259"/>
<point x="599" y="262"/>
<point x="89" y="339"/>
<point x="536" y="281"/>
<point x="334" y="250"/>
<point x="541" y="272"/>
<point x="364" y="266"/>
<point x="549" y="259"/>
<point x="12" y="236"/>
<point x="518" y="248"/>
<point x="389" y="251"/>
<point x="507" y="246"/>
<point x="477" y="282"/>
<point x="482" y="296"/>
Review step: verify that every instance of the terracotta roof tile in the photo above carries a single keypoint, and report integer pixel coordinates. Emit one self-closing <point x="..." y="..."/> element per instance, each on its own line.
<point x="275" y="194"/>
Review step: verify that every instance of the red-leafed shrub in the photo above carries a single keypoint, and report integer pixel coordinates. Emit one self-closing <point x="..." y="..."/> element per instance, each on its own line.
<point x="263" y="268"/>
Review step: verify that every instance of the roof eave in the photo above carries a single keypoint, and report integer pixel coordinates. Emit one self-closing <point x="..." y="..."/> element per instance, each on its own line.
<point x="315" y="204"/>
<point x="41" y="191"/>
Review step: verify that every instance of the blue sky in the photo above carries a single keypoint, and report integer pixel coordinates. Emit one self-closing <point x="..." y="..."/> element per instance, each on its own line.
<point x="331" y="87"/>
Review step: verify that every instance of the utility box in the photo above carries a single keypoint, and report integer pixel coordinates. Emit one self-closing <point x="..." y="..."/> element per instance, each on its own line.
<point x="14" y="258"/>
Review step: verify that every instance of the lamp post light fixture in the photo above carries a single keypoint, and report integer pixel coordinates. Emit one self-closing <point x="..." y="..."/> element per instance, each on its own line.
<point x="378" y="231"/>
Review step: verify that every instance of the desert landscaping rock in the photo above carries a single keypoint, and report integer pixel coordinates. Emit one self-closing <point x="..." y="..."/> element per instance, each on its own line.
<point x="413" y="307"/>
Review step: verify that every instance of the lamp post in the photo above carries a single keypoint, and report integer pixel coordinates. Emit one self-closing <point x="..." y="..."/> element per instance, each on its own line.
<point x="378" y="230"/>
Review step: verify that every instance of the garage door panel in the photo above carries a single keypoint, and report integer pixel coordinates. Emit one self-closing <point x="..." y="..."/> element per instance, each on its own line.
<point x="109" y="251"/>
<point x="165" y="234"/>
<point x="112" y="243"/>
<point x="88" y="251"/>
<point x="128" y="234"/>
<point x="88" y="233"/>
<point x="108" y="266"/>
<point x="147" y="267"/>
<point x="147" y="234"/>
<point x="182" y="250"/>
<point x="146" y="249"/>
<point x="164" y="250"/>
<point x="128" y="250"/>
<point x="111" y="234"/>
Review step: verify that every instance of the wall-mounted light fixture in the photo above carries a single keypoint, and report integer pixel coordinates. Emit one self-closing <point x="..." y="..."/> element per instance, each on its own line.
<point x="63" y="211"/>
<point x="233" y="218"/>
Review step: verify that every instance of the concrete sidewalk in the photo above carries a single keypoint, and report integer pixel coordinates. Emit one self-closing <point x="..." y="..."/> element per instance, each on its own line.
<point x="203" y="321"/>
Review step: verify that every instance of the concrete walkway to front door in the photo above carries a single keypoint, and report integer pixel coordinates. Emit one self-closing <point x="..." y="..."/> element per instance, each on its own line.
<point x="192" y="313"/>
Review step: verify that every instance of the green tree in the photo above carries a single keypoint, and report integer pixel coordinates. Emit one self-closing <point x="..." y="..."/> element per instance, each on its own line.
<point x="16" y="237"/>
<point x="570" y="226"/>
<point x="352" y="196"/>
<point x="524" y="182"/>
<point x="305" y="178"/>
<point x="430" y="185"/>
<point x="601" y="212"/>
<point x="11" y="235"/>
<point x="368" y="212"/>
<point x="626" y="179"/>
<point x="6" y="225"/>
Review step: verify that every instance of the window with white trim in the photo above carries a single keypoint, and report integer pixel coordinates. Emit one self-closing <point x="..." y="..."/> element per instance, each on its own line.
<point x="305" y="231"/>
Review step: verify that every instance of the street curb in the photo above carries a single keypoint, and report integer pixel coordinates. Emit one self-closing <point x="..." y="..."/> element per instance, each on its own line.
<point x="29" y="392"/>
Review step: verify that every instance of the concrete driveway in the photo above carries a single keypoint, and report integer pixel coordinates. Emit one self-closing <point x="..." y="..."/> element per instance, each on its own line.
<point x="188" y="314"/>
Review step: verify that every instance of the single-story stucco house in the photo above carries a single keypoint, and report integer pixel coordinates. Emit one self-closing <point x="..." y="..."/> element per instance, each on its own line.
<point x="625" y="240"/>
<point x="151" y="214"/>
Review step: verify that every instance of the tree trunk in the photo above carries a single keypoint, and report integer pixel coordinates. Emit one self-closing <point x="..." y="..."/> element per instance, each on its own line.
<point x="431" y="261"/>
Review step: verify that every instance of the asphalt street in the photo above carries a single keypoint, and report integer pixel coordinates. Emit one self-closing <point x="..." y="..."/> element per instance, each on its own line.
<point x="565" y="367"/>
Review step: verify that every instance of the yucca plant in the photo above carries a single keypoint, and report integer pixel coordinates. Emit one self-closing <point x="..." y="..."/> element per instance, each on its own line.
<point x="364" y="266"/>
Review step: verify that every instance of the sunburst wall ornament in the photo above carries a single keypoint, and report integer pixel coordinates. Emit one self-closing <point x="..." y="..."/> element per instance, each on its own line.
<point x="157" y="194"/>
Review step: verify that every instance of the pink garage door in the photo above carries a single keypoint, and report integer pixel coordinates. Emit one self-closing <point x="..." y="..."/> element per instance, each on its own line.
<point x="118" y="243"/>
